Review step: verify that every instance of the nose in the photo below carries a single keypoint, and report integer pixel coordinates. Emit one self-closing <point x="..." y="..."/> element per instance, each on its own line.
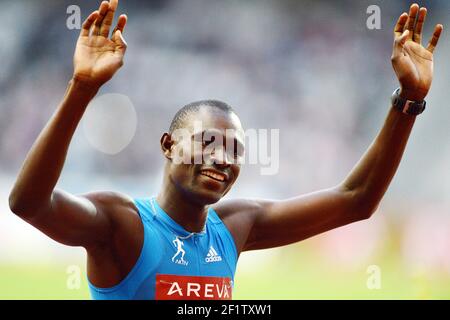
<point x="220" y="158"/>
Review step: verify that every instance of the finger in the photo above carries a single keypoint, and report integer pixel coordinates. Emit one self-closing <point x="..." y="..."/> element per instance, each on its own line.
<point x="102" y="10"/>
<point x="113" y="4"/>
<point x="122" y="21"/>
<point x="413" y="11"/>
<point x="435" y="38"/>
<point x="400" y="25"/>
<point x="417" y="36"/>
<point x="399" y="42"/>
<point x="87" y="24"/>
<point x="121" y="44"/>
<point x="109" y="17"/>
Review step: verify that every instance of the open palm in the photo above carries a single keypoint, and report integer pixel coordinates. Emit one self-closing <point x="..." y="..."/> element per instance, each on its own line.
<point x="413" y="63"/>
<point x="97" y="57"/>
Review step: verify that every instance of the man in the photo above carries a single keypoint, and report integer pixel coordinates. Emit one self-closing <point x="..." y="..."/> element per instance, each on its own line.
<point x="184" y="243"/>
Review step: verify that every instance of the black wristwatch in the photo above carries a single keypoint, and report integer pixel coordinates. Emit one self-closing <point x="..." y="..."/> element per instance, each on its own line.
<point x="407" y="106"/>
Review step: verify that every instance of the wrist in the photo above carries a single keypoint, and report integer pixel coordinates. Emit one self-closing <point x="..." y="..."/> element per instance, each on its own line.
<point x="83" y="85"/>
<point x="413" y="95"/>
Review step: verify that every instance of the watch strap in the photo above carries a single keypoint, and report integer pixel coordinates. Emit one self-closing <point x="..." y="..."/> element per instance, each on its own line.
<point x="406" y="106"/>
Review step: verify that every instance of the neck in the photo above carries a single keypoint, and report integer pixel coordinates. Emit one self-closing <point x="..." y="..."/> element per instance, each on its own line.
<point x="188" y="214"/>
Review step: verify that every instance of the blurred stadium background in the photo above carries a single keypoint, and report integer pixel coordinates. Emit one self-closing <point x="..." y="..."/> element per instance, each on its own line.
<point x="309" y="68"/>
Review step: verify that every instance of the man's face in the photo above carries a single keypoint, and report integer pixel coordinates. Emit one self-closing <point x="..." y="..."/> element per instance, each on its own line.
<point x="205" y="158"/>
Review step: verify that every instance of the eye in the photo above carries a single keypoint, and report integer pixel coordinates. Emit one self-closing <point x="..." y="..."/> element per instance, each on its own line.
<point x="237" y="152"/>
<point x="206" y="142"/>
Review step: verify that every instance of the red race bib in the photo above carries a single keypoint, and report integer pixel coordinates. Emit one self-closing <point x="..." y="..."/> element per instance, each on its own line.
<point x="173" y="287"/>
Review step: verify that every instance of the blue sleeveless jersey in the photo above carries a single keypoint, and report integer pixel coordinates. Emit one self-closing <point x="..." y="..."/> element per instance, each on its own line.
<point x="176" y="264"/>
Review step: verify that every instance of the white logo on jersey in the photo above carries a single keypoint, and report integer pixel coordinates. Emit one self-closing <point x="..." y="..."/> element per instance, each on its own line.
<point x="180" y="251"/>
<point x="212" y="255"/>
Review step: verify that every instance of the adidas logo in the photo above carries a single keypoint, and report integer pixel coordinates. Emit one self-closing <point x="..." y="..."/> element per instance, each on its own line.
<point x="212" y="255"/>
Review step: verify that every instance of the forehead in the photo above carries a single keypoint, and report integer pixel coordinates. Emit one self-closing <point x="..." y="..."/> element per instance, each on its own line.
<point x="214" y="120"/>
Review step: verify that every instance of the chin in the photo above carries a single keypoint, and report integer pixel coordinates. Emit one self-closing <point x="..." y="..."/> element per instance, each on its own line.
<point x="205" y="196"/>
<point x="208" y="197"/>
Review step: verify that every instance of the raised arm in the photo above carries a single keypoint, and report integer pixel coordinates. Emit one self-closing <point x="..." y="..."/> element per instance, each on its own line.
<point x="70" y="219"/>
<point x="276" y="223"/>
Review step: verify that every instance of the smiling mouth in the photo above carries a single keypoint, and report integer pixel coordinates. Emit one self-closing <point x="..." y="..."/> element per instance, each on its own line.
<point x="214" y="175"/>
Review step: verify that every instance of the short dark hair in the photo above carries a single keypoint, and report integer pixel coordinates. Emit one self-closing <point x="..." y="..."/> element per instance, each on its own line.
<point x="187" y="110"/>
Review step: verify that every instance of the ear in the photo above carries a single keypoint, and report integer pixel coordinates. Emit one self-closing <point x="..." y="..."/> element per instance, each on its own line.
<point x="167" y="145"/>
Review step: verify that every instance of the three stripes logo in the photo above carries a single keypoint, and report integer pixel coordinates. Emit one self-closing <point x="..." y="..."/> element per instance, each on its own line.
<point x="212" y="255"/>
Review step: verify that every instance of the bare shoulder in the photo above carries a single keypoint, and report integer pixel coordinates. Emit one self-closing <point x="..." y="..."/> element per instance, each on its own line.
<point x="110" y="200"/>
<point x="239" y="216"/>
<point x="231" y="208"/>
<point x="117" y="206"/>
<point x="108" y="197"/>
<point x="120" y="250"/>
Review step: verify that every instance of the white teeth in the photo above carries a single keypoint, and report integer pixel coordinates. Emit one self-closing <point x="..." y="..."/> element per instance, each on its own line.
<point x="213" y="175"/>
